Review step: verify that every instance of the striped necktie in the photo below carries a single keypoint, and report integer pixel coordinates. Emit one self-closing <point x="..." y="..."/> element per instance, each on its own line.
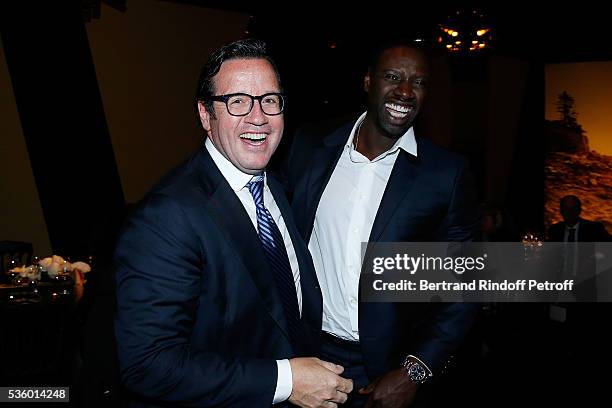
<point x="276" y="253"/>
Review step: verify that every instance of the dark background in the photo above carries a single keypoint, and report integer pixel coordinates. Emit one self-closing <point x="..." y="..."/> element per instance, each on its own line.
<point x="321" y="51"/>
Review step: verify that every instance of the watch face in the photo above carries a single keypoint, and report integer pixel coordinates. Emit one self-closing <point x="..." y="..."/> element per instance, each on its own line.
<point x="417" y="373"/>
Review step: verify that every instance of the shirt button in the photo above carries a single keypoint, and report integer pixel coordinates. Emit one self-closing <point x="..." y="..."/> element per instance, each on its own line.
<point x="353" y="301"/>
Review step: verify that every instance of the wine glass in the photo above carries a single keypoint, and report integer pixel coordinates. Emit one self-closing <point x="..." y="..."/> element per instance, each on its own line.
<point x="12" y="264"/>
<point x="37" y="268"/>
<point x="63" y="274"/>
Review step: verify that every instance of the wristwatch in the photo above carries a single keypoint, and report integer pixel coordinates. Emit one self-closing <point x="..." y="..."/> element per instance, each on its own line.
<point x="416" y="369"/>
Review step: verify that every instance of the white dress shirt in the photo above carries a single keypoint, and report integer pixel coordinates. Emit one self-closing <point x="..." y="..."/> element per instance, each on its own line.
<point x="238" y="181"/>
<point x="344" y="219"/>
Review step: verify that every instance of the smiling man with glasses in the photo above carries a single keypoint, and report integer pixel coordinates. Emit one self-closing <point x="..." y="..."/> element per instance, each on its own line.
<point x="218" y="302"/>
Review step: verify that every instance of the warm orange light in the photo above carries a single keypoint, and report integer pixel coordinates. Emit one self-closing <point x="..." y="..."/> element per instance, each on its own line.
<point x="482" y="32"/>
<point x="449" y="46"/>
<point x="439" y="39"/>
<point x="458" y="42"/>
<point x="474" y="41"/>
<point x="454" y="33"/>
<point x="482" y="45"/>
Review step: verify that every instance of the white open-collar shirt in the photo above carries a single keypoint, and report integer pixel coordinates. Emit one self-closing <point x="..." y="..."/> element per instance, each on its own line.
<point x="343" y="220"/>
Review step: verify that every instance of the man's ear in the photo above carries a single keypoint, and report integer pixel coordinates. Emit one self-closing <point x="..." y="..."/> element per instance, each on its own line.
<point x="366" y="82"/>
<point x="204" y="117"/>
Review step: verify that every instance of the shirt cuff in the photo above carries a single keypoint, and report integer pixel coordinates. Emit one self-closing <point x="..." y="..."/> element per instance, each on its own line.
<point x="284" y="382"/>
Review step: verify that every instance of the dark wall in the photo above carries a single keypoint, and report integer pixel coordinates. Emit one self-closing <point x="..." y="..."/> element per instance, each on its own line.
<point x="105" y="108"/>
<point x="62" y="118"/>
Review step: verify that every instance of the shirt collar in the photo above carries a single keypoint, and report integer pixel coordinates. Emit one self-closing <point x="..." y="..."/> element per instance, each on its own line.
<point x="406" y="142"/>
<point x="234" y="176"/>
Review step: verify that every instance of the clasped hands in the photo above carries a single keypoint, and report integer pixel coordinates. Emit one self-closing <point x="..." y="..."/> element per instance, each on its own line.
<point x="318" y="384"/>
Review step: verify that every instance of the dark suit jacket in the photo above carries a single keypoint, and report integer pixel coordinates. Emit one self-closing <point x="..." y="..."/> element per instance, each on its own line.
<point x="585" y="285"/>
<point x="589" y="231"/>
<point x="200" y="321"/>
<point x="427" y="198"/>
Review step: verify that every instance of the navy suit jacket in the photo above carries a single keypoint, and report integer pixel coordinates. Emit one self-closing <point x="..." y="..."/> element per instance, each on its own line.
<point x="200" y="321"/>
<point x="427" y="198"/>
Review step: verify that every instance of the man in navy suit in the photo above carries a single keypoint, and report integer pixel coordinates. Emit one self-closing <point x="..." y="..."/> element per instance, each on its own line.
<point x="218" y="302"/>
<point x="579" y="337"/>
<point x="574" y="228"/>
<point x="372" y="180"/>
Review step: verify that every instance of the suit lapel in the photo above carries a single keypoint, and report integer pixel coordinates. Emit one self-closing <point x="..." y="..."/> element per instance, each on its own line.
<point x="400" y="183"/>
<point x="324" y="160"/>
<point x="229" y="214"/>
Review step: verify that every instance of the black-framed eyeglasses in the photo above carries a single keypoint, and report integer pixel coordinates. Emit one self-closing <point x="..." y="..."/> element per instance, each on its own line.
<point x="241" y="104"/>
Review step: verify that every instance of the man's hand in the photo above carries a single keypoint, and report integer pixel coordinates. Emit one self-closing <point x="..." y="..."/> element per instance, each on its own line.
<point x="317" y="383"/>
<point x="392" y="390"/>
